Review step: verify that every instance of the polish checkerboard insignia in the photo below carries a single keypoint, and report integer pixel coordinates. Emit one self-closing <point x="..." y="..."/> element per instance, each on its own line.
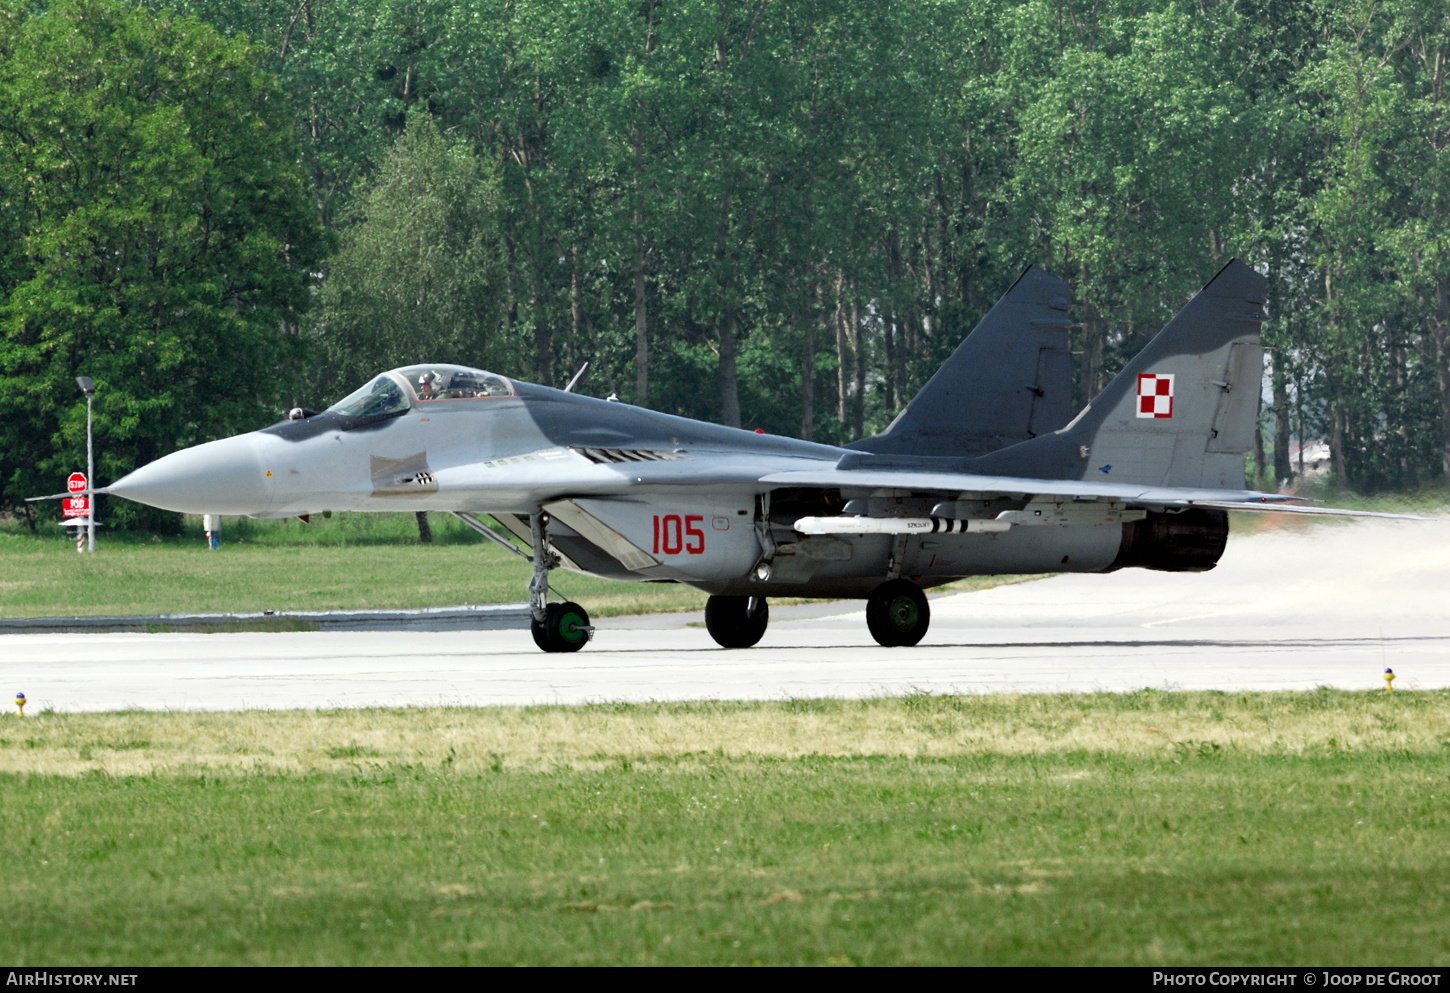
<point x="1155" y="394"/>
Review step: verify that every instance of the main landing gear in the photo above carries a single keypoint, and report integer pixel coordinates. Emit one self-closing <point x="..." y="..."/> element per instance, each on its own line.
<point x="557" y="627"/>
<point x="736" y="621"/>
<point x="897" y="614"/>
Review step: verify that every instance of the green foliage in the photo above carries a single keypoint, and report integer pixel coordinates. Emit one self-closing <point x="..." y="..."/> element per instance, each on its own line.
<point x="788" y="216"/>
<point x="155" y="235"/>
<point x="417" y="276"/>
<point x="784" y="214"/>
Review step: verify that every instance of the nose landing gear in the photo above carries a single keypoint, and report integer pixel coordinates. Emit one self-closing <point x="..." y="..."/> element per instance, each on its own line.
<point x="736" y="621"/>
<point x="897" y="614"/>
<point x="557" y="627"/>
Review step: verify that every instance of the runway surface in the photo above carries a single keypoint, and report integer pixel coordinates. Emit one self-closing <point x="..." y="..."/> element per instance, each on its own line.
<point x="1328" y="605"/>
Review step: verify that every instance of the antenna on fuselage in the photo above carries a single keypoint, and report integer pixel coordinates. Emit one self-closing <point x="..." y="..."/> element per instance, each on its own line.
<point x="577" y="376"/>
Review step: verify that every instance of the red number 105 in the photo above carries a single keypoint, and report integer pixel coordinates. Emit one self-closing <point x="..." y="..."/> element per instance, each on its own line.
<point x="673" y="536"/>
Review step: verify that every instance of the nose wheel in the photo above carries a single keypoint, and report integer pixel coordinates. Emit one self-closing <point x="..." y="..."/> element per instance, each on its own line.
<point x="736" y="621"/>
<point x="565" y="628"/>
<point x="557" y="627"/>
<point x="897" y="614"/>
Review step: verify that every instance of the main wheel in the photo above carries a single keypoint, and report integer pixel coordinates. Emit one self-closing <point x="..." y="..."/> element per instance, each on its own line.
<point x="736" y="621"/>
<point x="565" y="628"/>
<point x="897" y="614"/>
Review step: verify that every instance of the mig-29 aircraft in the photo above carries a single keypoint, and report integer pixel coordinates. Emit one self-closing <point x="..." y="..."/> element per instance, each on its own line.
<point x="981" y="473"/>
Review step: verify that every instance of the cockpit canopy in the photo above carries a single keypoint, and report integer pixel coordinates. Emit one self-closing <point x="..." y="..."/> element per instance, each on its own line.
<point x="399" y="389"/>
<point x="453" y="382"/>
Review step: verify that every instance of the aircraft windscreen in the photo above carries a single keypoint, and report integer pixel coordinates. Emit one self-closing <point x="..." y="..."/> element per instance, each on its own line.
<point x="379" y="398"/>
<point x="452" y="382"/>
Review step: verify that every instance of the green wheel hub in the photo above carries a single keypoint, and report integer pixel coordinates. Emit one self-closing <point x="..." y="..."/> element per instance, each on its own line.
<point x="903" y="613"/>
<point x="897" y="613"/>
<point x="572" y="627"/>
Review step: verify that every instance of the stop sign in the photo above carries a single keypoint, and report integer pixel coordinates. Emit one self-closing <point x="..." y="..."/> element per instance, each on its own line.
<point x="76" y="483"/>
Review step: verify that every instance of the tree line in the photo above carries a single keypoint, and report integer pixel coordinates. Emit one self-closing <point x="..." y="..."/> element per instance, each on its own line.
<point x="782" y="214"/>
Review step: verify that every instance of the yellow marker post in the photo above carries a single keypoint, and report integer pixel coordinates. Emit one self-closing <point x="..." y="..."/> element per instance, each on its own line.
<point x="1389" y="680"/>
<point x="20" y="702"/>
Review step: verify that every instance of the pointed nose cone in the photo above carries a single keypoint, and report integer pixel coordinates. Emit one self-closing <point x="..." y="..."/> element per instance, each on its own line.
<point x="220" y="477"/>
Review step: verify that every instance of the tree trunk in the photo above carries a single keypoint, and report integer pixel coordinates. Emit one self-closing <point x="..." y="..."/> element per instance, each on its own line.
<point x="858" y="384"/>
<point x="425" y="531"/>
<point x="808" y="377"/>
<point x="1442" y="350"/>
<point x="1298" y="403"/>
<point x="895" y="329"/>
<point x="1092" y="356"/>
<point x="1299" y="406"/>
<point x="840" y="322"/>
<point x="1092" y="346"/>
<point x="641" y="325"/>
<point x="729" y="380"/>
<point x="901" y="351"/>
<point x="543" y="346"/>
<point x="511" y="298"/>
<point x="1336" y="445"/>
<point x="1283" y="468"/>
<point x="576" y="311"/>
<point x="1259" y="444"/>
<point x="888" y="341"/>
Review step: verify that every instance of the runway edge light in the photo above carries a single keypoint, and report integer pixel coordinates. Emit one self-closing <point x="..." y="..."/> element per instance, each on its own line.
<point x="1389" y="680"/>
<point x="20" y="702"/>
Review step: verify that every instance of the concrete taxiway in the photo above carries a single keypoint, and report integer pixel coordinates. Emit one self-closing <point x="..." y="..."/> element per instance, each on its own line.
<point x="1294" y="608"/>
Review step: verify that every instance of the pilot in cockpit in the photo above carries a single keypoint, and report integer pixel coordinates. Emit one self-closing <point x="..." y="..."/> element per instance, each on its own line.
<point x="426" y="391"/>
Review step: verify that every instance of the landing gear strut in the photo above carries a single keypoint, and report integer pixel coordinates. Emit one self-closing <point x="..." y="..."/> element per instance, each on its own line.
<point x="557" y="627"/>
<point x="897" y="614"/>
<point x="736" y="621"/>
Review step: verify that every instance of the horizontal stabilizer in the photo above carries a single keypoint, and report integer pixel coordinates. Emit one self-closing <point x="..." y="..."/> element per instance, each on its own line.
<point x="1289" y="508"/>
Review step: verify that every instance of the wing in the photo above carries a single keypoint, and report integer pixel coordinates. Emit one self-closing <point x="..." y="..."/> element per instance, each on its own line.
<point x="1133" y="495"/>
<point x="532" y="480"/>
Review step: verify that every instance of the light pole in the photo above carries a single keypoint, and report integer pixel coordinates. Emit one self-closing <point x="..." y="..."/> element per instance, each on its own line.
<point x="88" y="387"/>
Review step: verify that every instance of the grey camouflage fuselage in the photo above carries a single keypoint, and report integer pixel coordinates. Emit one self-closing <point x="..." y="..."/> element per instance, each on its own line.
<point x="1135" y="479"/>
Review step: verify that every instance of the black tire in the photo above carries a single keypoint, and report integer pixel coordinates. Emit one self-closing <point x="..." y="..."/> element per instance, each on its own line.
<point x="541" y="634"/>
<point x="737" y="621"/>
<point x="897" y="614"/>
<point x="565" y="628"/>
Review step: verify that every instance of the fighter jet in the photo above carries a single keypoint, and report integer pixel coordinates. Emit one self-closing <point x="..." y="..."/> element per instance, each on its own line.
<point x="982" y="473"/>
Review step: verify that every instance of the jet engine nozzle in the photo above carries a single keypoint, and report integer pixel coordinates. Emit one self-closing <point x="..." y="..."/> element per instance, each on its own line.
<point x="219" y="477"/>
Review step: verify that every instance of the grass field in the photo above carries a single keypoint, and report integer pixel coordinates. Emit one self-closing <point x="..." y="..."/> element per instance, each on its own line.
<point x="1146" y="828"/>
<point x="348" y="562"/>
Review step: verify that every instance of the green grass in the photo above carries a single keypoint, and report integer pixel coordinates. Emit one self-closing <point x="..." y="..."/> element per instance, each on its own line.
<point x="1145" y="828"/>
<point x="352" y="561"/>
<point x="348" y="562"/>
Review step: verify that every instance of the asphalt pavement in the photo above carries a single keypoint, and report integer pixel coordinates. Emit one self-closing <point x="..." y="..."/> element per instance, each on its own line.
<point x="1294" y="608"/>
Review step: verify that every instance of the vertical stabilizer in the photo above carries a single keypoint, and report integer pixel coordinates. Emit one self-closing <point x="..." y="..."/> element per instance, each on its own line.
<point x="1008" y="381"/>
<point x="1183" y="412"/>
